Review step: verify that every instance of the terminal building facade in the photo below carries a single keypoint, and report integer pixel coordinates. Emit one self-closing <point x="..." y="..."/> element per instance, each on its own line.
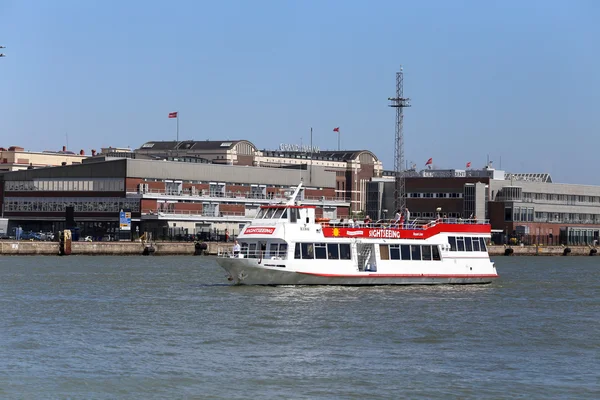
<point x="166" y="198"/>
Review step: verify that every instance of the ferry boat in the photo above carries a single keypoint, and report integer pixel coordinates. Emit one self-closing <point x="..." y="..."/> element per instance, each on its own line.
<point x="286" y="245"/>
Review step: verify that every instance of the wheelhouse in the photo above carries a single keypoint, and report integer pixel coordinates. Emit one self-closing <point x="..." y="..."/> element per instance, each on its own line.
<point x="266" y="245"/>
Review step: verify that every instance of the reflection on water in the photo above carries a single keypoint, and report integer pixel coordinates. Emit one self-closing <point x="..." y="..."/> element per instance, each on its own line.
<point x="172" y="327"/>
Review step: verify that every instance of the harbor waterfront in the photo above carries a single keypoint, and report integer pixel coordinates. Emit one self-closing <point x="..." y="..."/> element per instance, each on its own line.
<point x="24" y="247"/>
<point x="170" y="327"/>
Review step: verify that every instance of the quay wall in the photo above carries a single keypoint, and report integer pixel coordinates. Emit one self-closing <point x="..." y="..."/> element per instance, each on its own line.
<point x="541" y="250"/>
<point x="187" y="248"/>
<point x="106" y="248"/>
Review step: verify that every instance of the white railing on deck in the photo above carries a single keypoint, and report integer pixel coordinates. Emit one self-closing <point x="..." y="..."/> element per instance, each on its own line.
<point x="227" y="252"/>
<point x="412" y="224"/>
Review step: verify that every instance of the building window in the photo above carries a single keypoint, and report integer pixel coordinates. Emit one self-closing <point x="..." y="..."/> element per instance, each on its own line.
<point x="508" y="214"/>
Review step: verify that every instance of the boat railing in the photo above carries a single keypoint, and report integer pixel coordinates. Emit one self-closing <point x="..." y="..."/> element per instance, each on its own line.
<point x="417" y="223"/>
<point x="228" y="252"/>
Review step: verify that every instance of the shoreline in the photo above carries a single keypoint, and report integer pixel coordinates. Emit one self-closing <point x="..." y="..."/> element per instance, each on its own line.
<point x="30" y="248"/>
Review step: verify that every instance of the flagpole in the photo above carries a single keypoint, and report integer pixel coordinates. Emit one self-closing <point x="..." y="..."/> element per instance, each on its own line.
<point x="339" y="140"/>
<point x="177" y="126"/>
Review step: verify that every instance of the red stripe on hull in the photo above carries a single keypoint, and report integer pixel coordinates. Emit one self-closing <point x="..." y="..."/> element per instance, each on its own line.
<point x="402" y="275"/>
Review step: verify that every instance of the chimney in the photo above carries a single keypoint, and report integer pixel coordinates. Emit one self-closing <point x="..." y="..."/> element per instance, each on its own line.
<point x="81" y="152"/>
<point x="64" y="148"/>
<point x="93" y="152"/>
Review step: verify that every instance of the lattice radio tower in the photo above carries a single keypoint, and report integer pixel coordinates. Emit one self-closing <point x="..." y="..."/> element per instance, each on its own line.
<point x="399" y="102"/>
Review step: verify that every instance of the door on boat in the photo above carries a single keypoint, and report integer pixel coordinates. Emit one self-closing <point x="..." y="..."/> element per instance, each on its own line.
<point x="366" y="257"/>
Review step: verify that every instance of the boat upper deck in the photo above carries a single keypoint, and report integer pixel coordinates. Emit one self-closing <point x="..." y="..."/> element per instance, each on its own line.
<point x="415" y="229"/>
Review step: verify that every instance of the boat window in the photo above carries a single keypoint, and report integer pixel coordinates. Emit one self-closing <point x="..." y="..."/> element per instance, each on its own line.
<point x="415" y="252"/>
<point x="252" y="250"/>
<point x="435" y="253"/>
<point x="468" y="244"/>
<point x="345" y="251"/>
<point x="320" y="251"/>
<point x="274" y="250"/>
<point x="244" y="248"/>
<point x="460" y="243"/>
<point x="405" y="250"/>
<point x="482" y="244"/>
<point x="384" y="252"/>
<point x="394" y="251"/>
<point x="283" y="250"/>
<point x="452" y="241"/>
<point x="278" y="213"/>
<point x="261" y="213"/>
<point x="426" y="253"/>
<point x="475" y="244"/>
<point x="297" y="251"/>
<point x="307" y="251"/>
<point x="285" y="214"/>
<point x="270" y="213"/>
<point x="333" y="252"/>
<point x="293" y="214"/>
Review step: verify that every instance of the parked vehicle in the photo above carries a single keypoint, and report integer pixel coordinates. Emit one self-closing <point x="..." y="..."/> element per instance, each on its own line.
<point x="31" y="236"/>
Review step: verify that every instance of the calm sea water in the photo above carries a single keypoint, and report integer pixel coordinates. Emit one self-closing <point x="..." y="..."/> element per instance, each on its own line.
<point x="170" y="327"/>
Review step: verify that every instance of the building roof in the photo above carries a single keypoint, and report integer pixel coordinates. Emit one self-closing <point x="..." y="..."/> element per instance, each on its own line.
<point x="342" y="155"/>
<point x="189" y="145"/>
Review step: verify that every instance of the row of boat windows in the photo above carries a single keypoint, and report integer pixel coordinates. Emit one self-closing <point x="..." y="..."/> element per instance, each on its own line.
<point x="273" y="250"/>
<point x="322" y="251"/>
<point x="460" y="243"/>
<point x="278" y="213"/>
<point x="409" y="252"/>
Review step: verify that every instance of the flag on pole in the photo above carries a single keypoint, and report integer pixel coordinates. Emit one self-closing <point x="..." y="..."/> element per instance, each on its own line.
<point x="429" y="162"/>
<point x="173" y="114"/>
<point x="336" y="129"/>
<point x="469" y="164"/>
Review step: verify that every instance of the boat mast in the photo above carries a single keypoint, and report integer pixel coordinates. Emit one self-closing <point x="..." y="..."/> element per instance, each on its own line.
<point x="292" y="199"/>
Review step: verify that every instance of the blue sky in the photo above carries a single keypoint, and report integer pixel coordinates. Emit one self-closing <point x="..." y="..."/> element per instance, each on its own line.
<point x="515" y="80"/>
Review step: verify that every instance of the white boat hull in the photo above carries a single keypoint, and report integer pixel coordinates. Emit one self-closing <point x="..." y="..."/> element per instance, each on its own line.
<point x="244" y="271"/>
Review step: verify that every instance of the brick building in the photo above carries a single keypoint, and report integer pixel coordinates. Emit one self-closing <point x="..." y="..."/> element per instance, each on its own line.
<point x="525" y="207"/>
<point x="165" y="197"/>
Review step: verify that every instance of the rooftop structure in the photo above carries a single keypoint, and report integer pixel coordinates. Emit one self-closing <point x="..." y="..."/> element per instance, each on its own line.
<point x="15" y="158"/>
